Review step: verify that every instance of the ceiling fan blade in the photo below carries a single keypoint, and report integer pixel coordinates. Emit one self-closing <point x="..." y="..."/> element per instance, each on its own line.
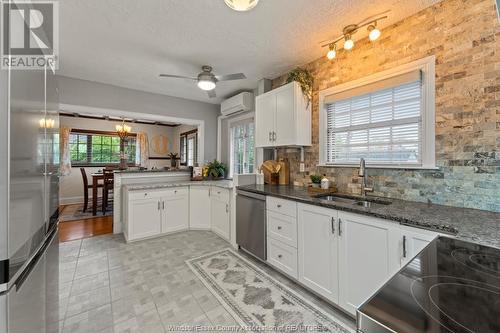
<point x="178" y="76"/>
<point x="229" y="77"/>
<point x="211" y="93"/>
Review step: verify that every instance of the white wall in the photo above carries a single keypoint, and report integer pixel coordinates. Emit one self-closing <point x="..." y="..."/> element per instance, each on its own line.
<point x="71" y="186"/>
<point x="98" y="95"/>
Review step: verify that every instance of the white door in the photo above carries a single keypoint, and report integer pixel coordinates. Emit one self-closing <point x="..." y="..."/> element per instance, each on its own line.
<point x="219" y="210"/>
<point x="144" y="218"/>
<point x="413" y="241"/>
<point x="285" y="116"/>
<point x="199" y="207"/>
<point x="265" y="110"/>
<point x="317" y="250"/>
<point x="368" y="257"/>
<point x="175" y="208"/>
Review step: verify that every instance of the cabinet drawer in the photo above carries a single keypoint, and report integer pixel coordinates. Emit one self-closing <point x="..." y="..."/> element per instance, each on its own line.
<point x="220" y="193"/>
<point x="281" y="206"/>
<point x="282" y="257"/>
<point x="282" y="227"/>
<point x="176" y="191"/>
<point x="142" y="195"/>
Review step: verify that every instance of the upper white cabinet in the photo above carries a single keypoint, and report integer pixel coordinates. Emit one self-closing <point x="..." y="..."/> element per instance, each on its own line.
<point x="283" y="117"/>
<point x="220" y="212"/>
<point x="199" y="207"/>
<point x="318" y="250"/>
<point x="368" y="256"/>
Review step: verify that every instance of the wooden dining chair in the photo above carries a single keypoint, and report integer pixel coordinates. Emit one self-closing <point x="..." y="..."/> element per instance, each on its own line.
<point x="86" y="188"/>
<point x="108" y="185"/>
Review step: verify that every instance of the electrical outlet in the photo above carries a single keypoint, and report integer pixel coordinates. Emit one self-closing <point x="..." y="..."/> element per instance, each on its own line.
<point x="302" y="167"/>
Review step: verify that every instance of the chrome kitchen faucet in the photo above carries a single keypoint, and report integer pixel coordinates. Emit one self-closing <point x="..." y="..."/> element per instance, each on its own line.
<point x="362" y="174"/>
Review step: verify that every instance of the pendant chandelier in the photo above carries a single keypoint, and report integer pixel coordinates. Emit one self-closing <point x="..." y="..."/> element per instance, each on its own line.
<point x="123" y="130"/>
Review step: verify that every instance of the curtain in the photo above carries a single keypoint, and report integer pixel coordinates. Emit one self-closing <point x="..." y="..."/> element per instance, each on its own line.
<point x="65" y="151"/>
<point x="142" y="150"/>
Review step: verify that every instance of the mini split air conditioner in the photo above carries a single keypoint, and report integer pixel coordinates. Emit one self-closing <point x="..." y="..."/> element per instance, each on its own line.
<point x="236" y="104"/>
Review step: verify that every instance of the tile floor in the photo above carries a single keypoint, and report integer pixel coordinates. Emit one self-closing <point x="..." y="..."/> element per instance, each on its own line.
<point x="107" y="285"/>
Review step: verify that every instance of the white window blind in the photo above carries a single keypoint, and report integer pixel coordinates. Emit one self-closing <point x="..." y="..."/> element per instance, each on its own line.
<point x="242" y="147"/>
<point x="383" y="124"/>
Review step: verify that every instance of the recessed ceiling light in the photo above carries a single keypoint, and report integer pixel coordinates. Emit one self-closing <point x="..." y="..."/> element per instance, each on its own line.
<point x="241" y="5"/>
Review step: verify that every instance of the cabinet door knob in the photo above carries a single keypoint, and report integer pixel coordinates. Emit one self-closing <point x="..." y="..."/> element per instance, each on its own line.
<point x="163" y="205"/>
<point x="158" y="205"/>
<point x="333" y="225"/>
<point x="280" y="256"/>
<point x="404" y="246"/>
<point x="279" y="206"/>
<point x="340" y="227"/>
<point x="279" y="227"/>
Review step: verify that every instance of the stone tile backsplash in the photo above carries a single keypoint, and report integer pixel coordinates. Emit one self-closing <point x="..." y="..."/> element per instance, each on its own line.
<point x="464" y="35"/>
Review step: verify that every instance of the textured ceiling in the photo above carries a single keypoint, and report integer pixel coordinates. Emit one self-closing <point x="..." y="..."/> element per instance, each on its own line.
<point x="128" y="42"/>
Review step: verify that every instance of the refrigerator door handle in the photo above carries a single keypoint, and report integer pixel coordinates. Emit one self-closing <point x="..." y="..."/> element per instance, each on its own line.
<point x="34" y="261"/>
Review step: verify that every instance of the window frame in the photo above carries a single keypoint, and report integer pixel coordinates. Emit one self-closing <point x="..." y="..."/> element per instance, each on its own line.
<point x="183" y="143"/>
<point x="427" y="67"/>
<point x="250" y="116"/>
<point x="88" y="163"/>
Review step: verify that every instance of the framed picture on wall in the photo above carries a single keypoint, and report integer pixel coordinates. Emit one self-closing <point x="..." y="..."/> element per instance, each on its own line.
<point x="159" y="147"/>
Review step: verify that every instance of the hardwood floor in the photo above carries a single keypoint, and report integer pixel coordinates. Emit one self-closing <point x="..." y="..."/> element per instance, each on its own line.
<point x="85" y="228"/>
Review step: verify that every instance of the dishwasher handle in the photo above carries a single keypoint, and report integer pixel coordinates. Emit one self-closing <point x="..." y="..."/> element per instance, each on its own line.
<point x="251" y="195"/>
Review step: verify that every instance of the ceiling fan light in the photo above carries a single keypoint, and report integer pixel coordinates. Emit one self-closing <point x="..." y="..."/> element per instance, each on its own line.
<point x="206" y="85"/>
<point x="241" y="5"/>
<point x="374" y="33"/>
<point x="349" y="43"/>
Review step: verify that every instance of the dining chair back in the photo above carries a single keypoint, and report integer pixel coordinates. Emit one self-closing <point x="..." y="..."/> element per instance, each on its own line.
<point x="108" y="184"/>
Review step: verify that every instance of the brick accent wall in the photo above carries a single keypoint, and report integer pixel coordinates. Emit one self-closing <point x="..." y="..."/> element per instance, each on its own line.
<point x="464" y="36"/>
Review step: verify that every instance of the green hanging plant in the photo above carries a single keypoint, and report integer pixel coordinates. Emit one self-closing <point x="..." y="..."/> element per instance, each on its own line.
<point x="305" y="79"/>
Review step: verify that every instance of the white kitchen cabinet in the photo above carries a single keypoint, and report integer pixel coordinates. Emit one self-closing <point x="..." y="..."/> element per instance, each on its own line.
<point x="264" y="123"/>
<point x="414" y="240"/>
<point x="199" y="207"/>
<point x="175" y="210"/>
<point x="283" y="118"/>
<point x="318" y="250"/>
<point x="220" y="211"/>
<point x="368" y="257"/>
<point x="143" y="215"/>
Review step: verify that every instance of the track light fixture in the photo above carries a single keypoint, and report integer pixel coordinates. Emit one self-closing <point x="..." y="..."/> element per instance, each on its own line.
<point x="332" y="52"/>
<point x="348" y="31"/>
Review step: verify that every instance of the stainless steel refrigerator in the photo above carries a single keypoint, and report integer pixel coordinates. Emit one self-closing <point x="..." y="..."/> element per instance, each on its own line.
<point x="29" y="200"/>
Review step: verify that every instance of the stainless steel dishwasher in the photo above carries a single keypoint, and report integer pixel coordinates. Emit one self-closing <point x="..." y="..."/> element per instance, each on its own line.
<point x="251" y="223"/>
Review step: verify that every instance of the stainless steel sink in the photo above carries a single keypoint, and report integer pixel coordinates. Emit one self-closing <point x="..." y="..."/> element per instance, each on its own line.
<point x="364" y="202"/>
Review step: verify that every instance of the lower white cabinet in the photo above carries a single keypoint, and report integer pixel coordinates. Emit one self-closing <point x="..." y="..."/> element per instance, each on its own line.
<point x="318" y="250"/>
<point x="413" y="241"/>
<point x="175" y="210"/>
<point x="199" y="207"/>
<point x="282" y="256"/>
<point x="368" y="256"/>
<point x="346" y="257"/>
<point x="220" y="212"/>
<point x="143" y="216"/>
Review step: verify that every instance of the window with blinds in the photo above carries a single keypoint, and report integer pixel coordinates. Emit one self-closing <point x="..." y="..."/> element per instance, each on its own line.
<point x="242" y="146"/>
<point x="381" y="122"/>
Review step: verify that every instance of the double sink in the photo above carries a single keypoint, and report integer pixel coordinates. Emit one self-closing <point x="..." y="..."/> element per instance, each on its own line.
<point x="358" y="201"/>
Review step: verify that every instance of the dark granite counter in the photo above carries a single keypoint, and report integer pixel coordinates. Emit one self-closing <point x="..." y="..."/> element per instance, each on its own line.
<point x="468" y="224"/>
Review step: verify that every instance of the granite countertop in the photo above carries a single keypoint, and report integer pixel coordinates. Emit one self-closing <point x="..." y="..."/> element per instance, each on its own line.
<point x="472" y="225"/>
<point x="152" y="171"/>
<point x="219" y="183"/>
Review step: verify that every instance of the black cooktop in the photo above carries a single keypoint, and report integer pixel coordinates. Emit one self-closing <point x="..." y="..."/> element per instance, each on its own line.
<point x="451" y="286"/>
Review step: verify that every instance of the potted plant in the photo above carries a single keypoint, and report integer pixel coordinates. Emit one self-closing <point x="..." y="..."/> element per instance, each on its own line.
<point x="305" y="79"/>
<point x="316" y="180"/>
<point x="216" y="170"/>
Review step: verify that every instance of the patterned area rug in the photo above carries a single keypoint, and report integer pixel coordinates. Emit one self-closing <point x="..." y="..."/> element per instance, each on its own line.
<point x="75" y="212"/>
<point x="258" y="302"/>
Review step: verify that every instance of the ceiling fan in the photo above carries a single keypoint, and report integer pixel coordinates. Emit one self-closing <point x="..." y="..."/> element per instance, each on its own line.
<point x="207" y="81"/>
